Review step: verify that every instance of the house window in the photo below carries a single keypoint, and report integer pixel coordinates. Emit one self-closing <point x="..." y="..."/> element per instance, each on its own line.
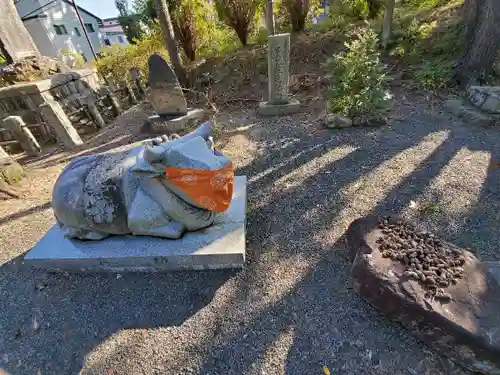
<point x="60" y="29"/>
<point x="107" y="42"/>
<point x="120" y="39"/>
<point x="90" y="27"/>
<point x="77" y="32"/>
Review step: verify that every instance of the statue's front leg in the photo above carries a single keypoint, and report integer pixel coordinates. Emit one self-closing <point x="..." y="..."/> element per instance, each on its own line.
<point x="146" y="217"/>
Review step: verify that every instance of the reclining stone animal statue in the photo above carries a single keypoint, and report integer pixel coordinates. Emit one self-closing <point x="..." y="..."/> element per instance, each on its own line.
<point x="162" y="188"/>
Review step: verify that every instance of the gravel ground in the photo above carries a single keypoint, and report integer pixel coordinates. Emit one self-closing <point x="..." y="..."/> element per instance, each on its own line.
<point x="292" y="310"/>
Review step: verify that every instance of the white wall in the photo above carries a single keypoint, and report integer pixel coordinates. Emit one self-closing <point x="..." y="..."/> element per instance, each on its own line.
<point x="62" y="13"/>
<point x="114" y="38"/>
<point x="39" y="35"/>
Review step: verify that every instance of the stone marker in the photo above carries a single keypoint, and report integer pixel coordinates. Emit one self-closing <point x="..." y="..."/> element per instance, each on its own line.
<point x="28" y="142"/>
<point x="135" y="74"/>
<point x="278" y="62"/>
<point x="459" y="317"/>
<point x="165" y="92"/>
<point x="15" y="41"/>
<point x="55" y="117"/>
<point x="167" y="99"/>
<point x="222" y="245"/>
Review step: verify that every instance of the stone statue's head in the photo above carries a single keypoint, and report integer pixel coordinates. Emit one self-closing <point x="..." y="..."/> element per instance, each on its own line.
<point x="190" y="167"/>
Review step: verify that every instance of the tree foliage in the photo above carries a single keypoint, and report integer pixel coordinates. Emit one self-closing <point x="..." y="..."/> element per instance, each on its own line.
<point x="190" y="22"/>
<point x="239" y="15"/>
<point x="129" y="22"/>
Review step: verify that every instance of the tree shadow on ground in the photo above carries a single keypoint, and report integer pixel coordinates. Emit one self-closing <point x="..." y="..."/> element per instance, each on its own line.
<point x="321" y="321"/>
<point x="26" y="212"/>
<point x="74" y="313"/>
<point x="317" y="321"/>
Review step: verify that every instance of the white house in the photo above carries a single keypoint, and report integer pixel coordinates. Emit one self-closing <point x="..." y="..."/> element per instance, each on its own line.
<point x="55" y="28"/>
<point x="112" y="32"/>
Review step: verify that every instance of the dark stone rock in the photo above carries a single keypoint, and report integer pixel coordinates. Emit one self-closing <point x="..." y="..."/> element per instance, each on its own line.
<point x="166" y="94"/>
<point x="462" y="323"/>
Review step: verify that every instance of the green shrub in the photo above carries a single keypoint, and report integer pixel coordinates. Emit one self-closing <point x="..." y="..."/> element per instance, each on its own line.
<point x="239" y="15"/>
<point x="359" y="89"/>
<point x="434" y="75"/>
<point x="350" y="9"/>
<point x="116" y="61"/>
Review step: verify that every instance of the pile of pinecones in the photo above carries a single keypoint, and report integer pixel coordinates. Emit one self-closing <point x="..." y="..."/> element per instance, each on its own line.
<point x="427" y="259"/>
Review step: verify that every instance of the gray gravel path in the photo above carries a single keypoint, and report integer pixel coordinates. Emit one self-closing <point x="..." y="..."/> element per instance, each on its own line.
<point x="292" y="310"/>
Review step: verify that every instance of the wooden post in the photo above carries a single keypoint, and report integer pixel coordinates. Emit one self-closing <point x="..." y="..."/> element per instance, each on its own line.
<point x="96" y="115"/>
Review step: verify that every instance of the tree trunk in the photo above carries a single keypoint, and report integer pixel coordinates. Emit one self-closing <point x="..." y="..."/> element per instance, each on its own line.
<point x="482" y="41"/>
<point x="387" y="26"/>
<point x="269" y="17"/>
<point x="373" y="8"/>
<point x="170" y="43"/>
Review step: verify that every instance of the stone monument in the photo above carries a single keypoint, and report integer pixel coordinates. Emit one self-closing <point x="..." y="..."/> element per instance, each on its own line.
<point x="167" y="99"/>
<point x="171" y="203"/>
<point x="278" y="63"/>
<point x="15" y="41"/>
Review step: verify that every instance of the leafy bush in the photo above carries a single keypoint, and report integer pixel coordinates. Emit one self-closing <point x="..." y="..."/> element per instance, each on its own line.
<point x="239" y="15"/>
<point x="190" y="22"/>
<point x="359" y="88"/>
<point x="353" y="9"/>
<point x="434" y="75"/>
<point x="116" y="61"/>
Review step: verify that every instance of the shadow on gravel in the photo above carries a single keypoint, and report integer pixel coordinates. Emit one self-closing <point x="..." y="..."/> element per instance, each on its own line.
<point x="51" y="321"/>
<point x="321" y="321"/>
<point x="317" y="321"/>
<point x="26" y="212"/>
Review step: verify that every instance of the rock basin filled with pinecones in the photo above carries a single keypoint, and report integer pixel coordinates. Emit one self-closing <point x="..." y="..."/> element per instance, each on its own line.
<point x="426" y="258"/>
<point x="441" y="293"/>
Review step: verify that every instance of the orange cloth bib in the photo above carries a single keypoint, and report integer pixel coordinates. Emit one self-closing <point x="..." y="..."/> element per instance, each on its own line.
<point x="212" y="190"/>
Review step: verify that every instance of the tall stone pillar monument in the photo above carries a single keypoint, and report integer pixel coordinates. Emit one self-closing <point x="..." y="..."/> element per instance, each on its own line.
<point x="278" y="63"/>
<point x="15" y="41"/>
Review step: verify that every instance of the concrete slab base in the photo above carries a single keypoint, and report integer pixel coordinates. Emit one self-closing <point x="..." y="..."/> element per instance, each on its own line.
<point x="166" y="125"/>
<point x="267" y="109"/>
<point x="222" y="245"/>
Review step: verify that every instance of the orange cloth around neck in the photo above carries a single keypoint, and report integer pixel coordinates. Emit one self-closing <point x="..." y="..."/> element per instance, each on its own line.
<point x="212" y="190"/>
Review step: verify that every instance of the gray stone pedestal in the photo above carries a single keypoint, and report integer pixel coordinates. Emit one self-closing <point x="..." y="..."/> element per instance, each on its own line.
<point x="278" y="62"/>
<point x="222" y="245"/>
<point x="172" y="124"/>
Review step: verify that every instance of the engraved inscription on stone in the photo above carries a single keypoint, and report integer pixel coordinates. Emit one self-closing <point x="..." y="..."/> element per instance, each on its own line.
<point x="279" y="51"/>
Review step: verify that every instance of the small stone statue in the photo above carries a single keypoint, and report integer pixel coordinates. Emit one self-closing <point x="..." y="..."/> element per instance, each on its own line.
<point x="162" y="188"/>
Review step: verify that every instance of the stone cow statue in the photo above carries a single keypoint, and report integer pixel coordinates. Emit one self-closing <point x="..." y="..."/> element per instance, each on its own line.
<point x="162" y="188"/>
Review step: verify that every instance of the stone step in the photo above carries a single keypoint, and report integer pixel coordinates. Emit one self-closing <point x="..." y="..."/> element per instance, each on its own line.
<point x="471" y="114"/>
<point x="222" y="245"/>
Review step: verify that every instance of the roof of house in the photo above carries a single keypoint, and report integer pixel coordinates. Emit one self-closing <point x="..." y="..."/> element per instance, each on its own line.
<point x="35" y="16"/>
<point x="111" y="19"/>
<point x="41" y="9"/>
<point x="83" y="10"/>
